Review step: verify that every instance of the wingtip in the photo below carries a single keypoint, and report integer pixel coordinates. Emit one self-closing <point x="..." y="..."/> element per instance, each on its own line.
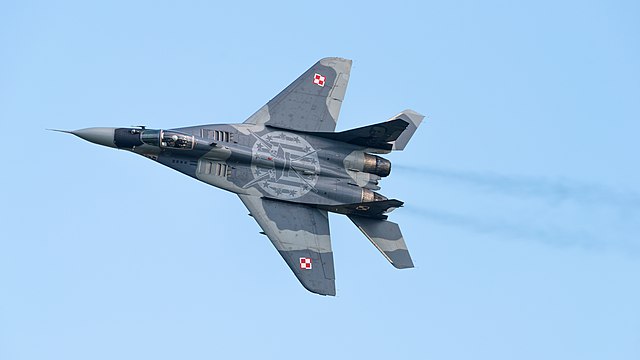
<point x="325" y="288"/>
<point x="326" y="293"/>
<point x="340" y="63"/>
<point x="335" y="58"/>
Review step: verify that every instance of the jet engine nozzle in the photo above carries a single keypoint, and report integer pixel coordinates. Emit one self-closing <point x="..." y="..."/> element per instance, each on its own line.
<point x="374" y="164"/>
<point x="369" y="196"/>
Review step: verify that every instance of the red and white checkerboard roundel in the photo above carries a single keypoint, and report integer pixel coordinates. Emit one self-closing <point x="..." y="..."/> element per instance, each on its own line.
<point x="305" y="263"/>
<point x="318" y="79"/>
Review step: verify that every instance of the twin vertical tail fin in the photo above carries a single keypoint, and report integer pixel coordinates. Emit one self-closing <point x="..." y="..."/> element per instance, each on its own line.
<point x="413" y="119"/>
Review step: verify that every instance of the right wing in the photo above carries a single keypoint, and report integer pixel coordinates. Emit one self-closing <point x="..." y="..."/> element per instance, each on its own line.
<point x="312" y="102"/>
<point x="300" y="233"/>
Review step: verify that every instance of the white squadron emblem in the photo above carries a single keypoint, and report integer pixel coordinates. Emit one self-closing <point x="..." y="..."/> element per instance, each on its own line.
<point x="284" y="165"/>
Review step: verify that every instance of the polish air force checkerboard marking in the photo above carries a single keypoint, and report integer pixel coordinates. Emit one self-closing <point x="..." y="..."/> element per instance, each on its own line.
<point x="305" y="263"/>
<point x="319" y="80"/>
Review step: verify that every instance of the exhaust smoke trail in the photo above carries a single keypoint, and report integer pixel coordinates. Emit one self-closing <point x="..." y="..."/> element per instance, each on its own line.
<point x="541" y="188"/>
<point x="548" y="234"/>
<point x="599" y="217"/>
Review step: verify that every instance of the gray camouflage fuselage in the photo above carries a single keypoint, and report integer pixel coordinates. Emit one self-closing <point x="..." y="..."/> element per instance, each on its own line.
<point x="290" y="168"/>
<point x="271" y="163"/>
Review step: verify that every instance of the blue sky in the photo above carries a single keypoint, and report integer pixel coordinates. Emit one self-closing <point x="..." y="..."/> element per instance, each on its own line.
<point x="522" y="185"/>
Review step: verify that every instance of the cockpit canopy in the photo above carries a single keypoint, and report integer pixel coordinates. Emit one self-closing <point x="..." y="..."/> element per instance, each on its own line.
<point x="168" y="139"/>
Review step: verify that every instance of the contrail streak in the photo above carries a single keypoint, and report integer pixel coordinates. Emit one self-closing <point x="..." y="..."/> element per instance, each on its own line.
<point x="545" y="233"/>
<point x="609" y="218"/>
<point x="536" y="187"/>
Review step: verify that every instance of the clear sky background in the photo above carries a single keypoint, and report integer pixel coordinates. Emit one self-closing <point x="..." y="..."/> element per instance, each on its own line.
<point x="522" y="185"/>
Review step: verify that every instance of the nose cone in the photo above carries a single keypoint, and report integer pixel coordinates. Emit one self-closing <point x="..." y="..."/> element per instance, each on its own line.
<point x="97" y="135"/>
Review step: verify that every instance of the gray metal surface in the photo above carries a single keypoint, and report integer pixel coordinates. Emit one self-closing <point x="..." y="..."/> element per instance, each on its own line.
<point x="300" y="233"/>
<point x="387" y="238"/>
<point x="312" y="102"/>
<point x="289" y="168"/>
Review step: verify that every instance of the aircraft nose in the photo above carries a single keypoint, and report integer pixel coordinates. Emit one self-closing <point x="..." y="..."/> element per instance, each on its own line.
<point x="97" y="135"/>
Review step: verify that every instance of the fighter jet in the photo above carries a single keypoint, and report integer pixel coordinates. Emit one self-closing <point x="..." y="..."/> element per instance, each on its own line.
<point x="290" y="168"/>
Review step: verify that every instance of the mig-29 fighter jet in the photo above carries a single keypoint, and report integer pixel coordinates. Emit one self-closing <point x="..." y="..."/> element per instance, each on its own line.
<point x="290" y="168"/>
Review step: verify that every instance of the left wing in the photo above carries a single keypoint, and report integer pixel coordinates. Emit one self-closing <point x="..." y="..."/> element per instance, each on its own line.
<point x="300" y="233"/>
<point x="312" y="102"/>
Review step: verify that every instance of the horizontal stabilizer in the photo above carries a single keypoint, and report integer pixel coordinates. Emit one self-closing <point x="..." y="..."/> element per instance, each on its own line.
<point x="386" y="237"/>
<point x="393" y="134"/>
<point x="373" y="209"/>
<point x="379" y="136"/>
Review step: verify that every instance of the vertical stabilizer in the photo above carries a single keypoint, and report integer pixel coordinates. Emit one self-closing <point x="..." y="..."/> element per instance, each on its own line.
<point x="414" y="119"/>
